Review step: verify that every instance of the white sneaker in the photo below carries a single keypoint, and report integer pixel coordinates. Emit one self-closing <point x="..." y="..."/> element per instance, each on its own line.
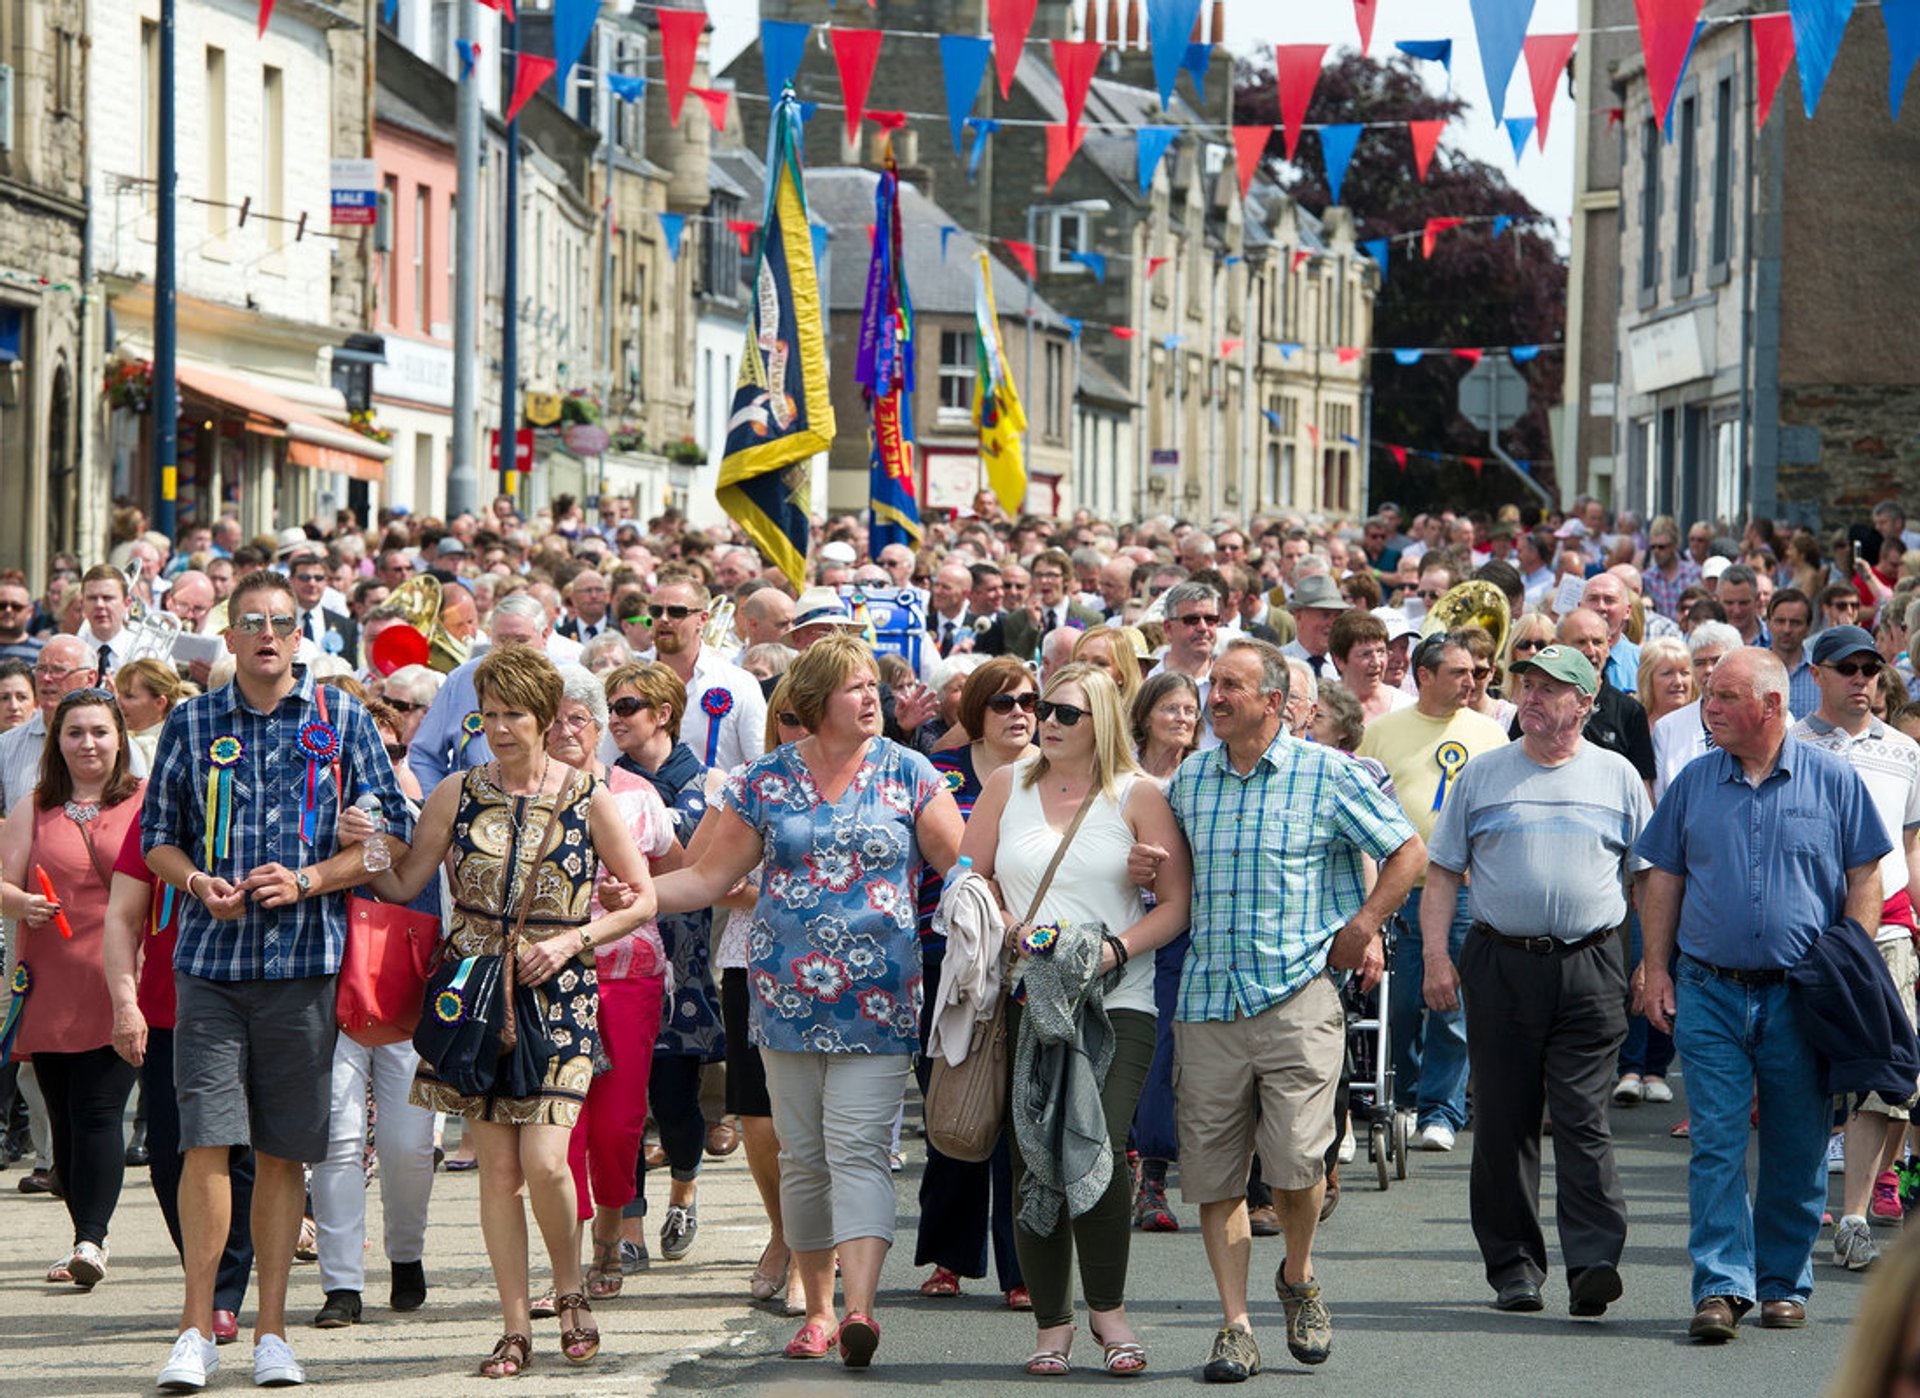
<point x="1837" y="1154"/>
<point x="1347" y="1147"/>
<point x="1435" y="1135"/>
<point x="274" y="1365"/>
<point x="191" y="1364"/>
<point x="1630" y="1091"/>
<point x="1853" y="1245"/>
<point x="1656" y="1090"/>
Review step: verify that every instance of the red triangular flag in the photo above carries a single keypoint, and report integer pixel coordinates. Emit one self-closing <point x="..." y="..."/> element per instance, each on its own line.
<point x="1154" y="264"/>
<point x="1074" y="62"/>
<point x="1298" y="69"/>
<point x="1346" y="354"/>
<point x="855" y="51"/>
<point x="1435" y="227"/>
<point x="1547" y="56"/>
<point x="1615" y="115"/>
<point x="266" y="13"/>
<point x="1300" y="259"/>
<point x="1476" y="462"/>
<point x="680" y="32"/>
<point x="505" y="7"/>
<point x="1472" y="356"/>
<point x="1399" y="455"/>
<point x="1230" y="347"/>
<point x="1772" y="53"/>
<point x="888" y="121"/>
<point x="1666" y="36"/>
<point x="1122" y="332"/>
<point x="1023" y="254"/>
<point x="1313" y="435"/>
<point x="716" y="102"/>
<point x="1009" y="20"/>
<point x="744" y="229"/>
<point x="1249" y="142"/>
<point x="529" y="71"/>
<point x="1426" y="138"/>
<point x="1363" y="12"/>
<point x="1062" y="142"/>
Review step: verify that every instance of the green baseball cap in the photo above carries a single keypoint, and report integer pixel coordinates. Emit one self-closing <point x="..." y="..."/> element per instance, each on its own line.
<point x="1562" y="663"/>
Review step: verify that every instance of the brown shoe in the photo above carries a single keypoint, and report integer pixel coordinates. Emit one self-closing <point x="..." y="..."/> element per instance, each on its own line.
<point x="1331" y="1199"/>
<point x="1264" y="1222"/>
<point x="1714" y="1321"/>
<point x="723" y="1138"/>
<point x="1783" y="1315"/>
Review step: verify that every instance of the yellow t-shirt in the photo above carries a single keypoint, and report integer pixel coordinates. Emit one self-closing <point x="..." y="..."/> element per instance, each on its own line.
<point x="1424" y="755"/>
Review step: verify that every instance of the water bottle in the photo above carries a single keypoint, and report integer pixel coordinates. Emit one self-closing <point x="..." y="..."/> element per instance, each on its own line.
<point x="374" y="854"/>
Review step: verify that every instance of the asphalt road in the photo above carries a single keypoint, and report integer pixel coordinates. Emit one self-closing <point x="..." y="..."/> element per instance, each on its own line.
<point x="1403" y="1281"/>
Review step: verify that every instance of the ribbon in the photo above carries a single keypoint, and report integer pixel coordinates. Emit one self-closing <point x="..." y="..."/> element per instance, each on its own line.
<point x="160" y="910"/>
<point x="21" y="983"/>
<point x="470" y="728"/>
<point x="1452" y="756"/>
<point x="223" y="755"/>
<point x="716" y="704"/>
<point x="320" y="743"/>
<point x="449" y="1007"/>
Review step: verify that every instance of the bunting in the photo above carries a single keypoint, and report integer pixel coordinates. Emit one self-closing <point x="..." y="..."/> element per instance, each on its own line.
<point x="1902" y="21"/>
<point x="674" y="226"/>
<point x="1818" y="26"/>
<point x="1500" y="26"/>
<point x="963" y="62"/>
<point x="1336" y="149"/>
<point x="680" y="32"/>
<point x="1152" y="142"/>
<point x="1772" y="54"/>
<point x="1063" y="142"/>
<point x="884" y="371"/>
<point x="1431" y="51"/>
<point x="1169" y="22"/>
<point x="1009" y="21"/>
<point x="469" y="55"/>
<point x="783" y="44"/>
<point x="983" y="127"/>
<point x="1249" y="144"/>
<point x="1426" y="138"/>
<point x="1364" y="12"/>
<point x="1547" y="57"/>
<point x="1195" y="64"/>
<point x="1094" y="262"/>
<point x="1073" y="61"/>
<point x="996" y="404"/>
<point x="505" y="7"/>
<point x="530" y="71"/>
<point x="1297" y="67"/>
<point x="1666" y="38"/>
<point x="627" y="87"/>
<point x="572" y="27"/>
<point x="1431" y="233"/>
<point x="266" y="13"/>
<point x="1376" y="248"/>
<point x="714" y="99"/>
<point x="1022" y="253"/>
<point x="855" y="52"/>
<point x="1519" y="132"/>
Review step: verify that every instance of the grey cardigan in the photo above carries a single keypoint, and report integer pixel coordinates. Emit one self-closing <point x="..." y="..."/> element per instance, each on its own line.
<point x="1060" y="1065"/>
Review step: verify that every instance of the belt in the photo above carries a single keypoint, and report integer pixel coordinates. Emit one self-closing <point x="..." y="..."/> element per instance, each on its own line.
<point x="1547" y="946"/>
<point x="1743" y="975"/>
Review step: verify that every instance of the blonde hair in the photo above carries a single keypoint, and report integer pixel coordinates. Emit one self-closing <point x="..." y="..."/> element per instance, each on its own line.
<point x="1883" y="1325"/>
<point x="1112" y="746"/>
<point x="161" y="680"/>
<point x="1657" y="652"/>
<point x="1538" y="626"/>
<point x="821" y="669"/>
<point x="1120" y="647"/>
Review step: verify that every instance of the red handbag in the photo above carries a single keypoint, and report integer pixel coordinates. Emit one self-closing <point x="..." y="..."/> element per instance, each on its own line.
<point x="383" y="975"/>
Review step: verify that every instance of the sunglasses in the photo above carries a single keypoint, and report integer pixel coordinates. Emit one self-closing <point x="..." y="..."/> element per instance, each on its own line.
<point x="309" y="577"/>
<point x="636" y="620"/>
<point x="396" y="752"/>
<point x="14" y="606"/>
<point x="1199" y="619"/>
<point x="1528" y="646"/>
<point x="404" y="706"/>
<point x="1481" y="672"/>
<point x="1845" y="604"/>
<point x="627" y="705"/>
<point x="1007" y="703"/>
<point x="1851" y="668"/>
<point x="1066" y="715"/>
<point x="675" y="612"/>
<point x="790" y="720"/>
<point x="253" y="623"/>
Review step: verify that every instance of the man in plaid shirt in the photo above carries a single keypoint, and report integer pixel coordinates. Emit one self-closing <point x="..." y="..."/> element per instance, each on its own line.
<point x="262" y="931"/>
<point x="1669" y="572"/>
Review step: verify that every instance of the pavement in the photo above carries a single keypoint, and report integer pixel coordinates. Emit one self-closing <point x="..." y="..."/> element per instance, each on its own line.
<point x="1402" y="1278"/>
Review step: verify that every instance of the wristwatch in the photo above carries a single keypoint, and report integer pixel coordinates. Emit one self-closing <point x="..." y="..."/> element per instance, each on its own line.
<point x="302" y="882"/>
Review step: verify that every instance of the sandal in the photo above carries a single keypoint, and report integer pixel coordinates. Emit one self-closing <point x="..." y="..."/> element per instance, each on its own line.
<point x="604" y="1277"/>
<point x="59" y="1274"/>
<point x="1048" y="1363"/>
<point x="764" y="1285"/>
<point x="944" y="1282"/>
<point x="859" y="1338"/>
<point x="307" y="1249"/>
<point x="577" y="1337"/>
<point x="1120" y="1357"/>
<point x="544" y="1307"/>
<point x="812" y="1342"/>
<point x="511" y="1358"/>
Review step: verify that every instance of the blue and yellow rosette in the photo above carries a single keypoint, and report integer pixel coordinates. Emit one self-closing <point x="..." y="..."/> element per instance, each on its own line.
<point x="223" y="755"/>
<point x="319" y="743"/>
<point x="450" y="1006"/>
<point x="1041" y="940"/>
<point x="716" y="704"/>
<point x="19" y="983"/>
<point x="471" y="727"/>
<point x="1452" y="757"/>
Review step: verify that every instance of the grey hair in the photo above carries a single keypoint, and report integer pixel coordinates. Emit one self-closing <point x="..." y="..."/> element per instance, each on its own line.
<point x="1182" y="593"/>
<point x="606" y="640"/>
<point x="417" y="680"/>
<point x="1714" y="633"/>
<point x="1274" y="676"/>
<point x="581" y="685"/>
<point x="523" y="604"/>
<point x="1913" y="614"/>
<point x="1301" y="673"/>
<point x="1769" y="675"/>
<point x="954" y="666"/>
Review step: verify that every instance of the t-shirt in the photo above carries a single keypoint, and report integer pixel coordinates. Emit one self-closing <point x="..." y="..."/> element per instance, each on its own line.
<point x="1511" y="820"/>
<point x="1412" y="746"/>
<point x="154" y="990"/>
<point x="1888" y="761"/>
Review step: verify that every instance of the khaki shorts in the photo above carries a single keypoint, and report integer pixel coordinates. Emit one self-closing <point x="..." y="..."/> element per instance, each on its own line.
<point x="1268" y="1081"/>
<point x="1903" y="964"/>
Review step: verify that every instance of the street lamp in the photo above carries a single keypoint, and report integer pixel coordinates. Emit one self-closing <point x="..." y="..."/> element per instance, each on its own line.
<point x="1084" y="206"/>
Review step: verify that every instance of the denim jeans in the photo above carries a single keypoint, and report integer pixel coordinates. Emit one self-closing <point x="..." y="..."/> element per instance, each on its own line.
<point x="1647" y="1051"/>
<point x="1735" y="1039"/>
<point x="1429" y="1049"/>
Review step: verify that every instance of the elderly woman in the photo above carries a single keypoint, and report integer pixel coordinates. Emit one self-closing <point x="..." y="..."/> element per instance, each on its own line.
<point x="845" y="819"/>
<point x="1666" y="677"/>
<point x="526" y="831"/>
<point x="72" y="828"/>
<point x="409" y="692"/>
<point x="606" y="652"/>
<point x="1164" y="722"/>
<point x="948" y="682"/>
<point x="1111" y="648"/>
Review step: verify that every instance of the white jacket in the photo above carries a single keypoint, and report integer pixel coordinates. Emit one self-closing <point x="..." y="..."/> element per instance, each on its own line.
<point x="976" y="934"/>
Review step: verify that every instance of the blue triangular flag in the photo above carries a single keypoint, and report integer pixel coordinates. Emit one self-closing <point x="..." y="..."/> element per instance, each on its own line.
<point x="466" y="51"/>
<point x="983" y="127"/>
<point x="1902" y="18"/>
<point x="1519" y="131"/>
<point x="1522" y="354"/>
<point x="1074" y="326"/>
<point x="1194" y="64"/>
<point x="947" y="230"/>
<point x="963" y="62"/>
<point x="1526" y="466"/>
<point x="822" y="235"/>
<point x="1232" y="259"/>
<point x="1673" y="98"/>
<point x="1274" y="420"/>
<point x="1336" y="148"/>
<point x="1377" y="249"/>
<point x="675" y="227"/>
<point x="1094" y="262"/>
<point x="1288" y="348"/>
<point x="392" y="12"/>
<point x="1153" y="142"/>
<point x="1407" y="356"/>
<point x="1169" y="22"/>
<point x="807" y="109"/>
<point x="1501" y="26"/>
<point x="783" y="43"/>
<point x="628" y="87"/>
<point x="1502" y="222"/>
<point x="572" y="27"/>
<point x="1817" y="29"/>
<point x="1430" y="51"/>
<point x="1350" y="439"/>
<point x="1172" y="342"/>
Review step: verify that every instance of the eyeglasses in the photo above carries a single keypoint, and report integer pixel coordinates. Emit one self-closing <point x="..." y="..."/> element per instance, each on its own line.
<point x="1007" y="703"/>
<point x="396" y="752"/>
<point x="1851" y="668"/>
<point x="1431" y="594"/>
<point x="1066" y="715"/>
<point x="45" y="673"/>
<point x="627" y="705"/>
<point x="1845" y="604"/>
<point x="309" y="577"/>
<point x="403" y="706"/>
<point x="575" y="722"/>
<point x="1528" y="646"/>
<point x="14" y="606"/>
<point x="790" y="720"/>
<point x="253" y="623"/>
<point x="675" y="612"/>
<point x="1199" y="619"/>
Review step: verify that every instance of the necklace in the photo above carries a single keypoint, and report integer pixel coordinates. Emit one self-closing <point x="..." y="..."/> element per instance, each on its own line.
<point x="540" y="787"/>
<point x="82" y="812"/>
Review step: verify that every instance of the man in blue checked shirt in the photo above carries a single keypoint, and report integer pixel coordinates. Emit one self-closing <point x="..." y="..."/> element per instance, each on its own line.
<point x="1280" y="831"/>
<point x="268" y="761"/>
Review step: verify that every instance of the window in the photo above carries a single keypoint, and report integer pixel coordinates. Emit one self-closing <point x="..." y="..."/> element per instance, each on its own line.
<point x="956" y="374"/>
<point x="1282" y="422"/>
<point x="422" y="231"/>
<point x="392" y="289"/>
<point x="1052" y="423"/>
<point x="1728" y="496"/>
<point x="453" y="232"/>
<point x="1649" y="210"/>
<point x="150" y="107"/>
<point x="1720" y="239"/>
<point x="720" y="263"/>
<point x="273" y="153"/>
<point x="216" y="182"/>
<point x="1071" y="233"/>
<point x="1685" y="194"/>
<point x="65" y="66"/>
<point x="1338" y="289"/>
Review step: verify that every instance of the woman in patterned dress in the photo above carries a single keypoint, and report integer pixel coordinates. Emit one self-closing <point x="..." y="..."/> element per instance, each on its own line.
<point x="845" y="819"/>
<point x="495" y="821"/>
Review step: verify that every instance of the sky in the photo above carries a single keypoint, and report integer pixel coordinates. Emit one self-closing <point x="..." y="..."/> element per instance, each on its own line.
<point x="1546" y="178"/>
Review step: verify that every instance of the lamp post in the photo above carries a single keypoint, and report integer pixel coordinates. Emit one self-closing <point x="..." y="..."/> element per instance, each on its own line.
<point x="1084" y="206"/>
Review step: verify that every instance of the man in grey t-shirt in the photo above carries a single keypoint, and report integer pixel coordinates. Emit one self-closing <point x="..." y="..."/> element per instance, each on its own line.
<point x="1546" y="829"/>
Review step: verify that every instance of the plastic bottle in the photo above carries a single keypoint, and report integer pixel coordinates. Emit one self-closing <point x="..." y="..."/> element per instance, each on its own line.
<point x="375" y="855"/>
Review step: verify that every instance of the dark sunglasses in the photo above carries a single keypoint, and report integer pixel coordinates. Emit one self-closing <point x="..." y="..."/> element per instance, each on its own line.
<point x="252" y="624"/>
<point x="790" y="720"/>
<point x="1850" y="668"/>
<point x="309" y="577"/>
<point x="1199" y="619"/>
<point x="676" y="612"/>
<point x="14" y="606"/>
<point x="404" y="706"/>
<point x="1007" y="703"/>
<point x="397" y="752"/>
<point x="1066" y="715"/>
<point x="1519" y="646"/>
<point x="627" y="705"/>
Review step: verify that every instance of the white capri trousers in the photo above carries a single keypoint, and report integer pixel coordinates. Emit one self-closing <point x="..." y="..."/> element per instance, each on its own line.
<point x="403" y="1141"/>
<point x="834" y="1115"/>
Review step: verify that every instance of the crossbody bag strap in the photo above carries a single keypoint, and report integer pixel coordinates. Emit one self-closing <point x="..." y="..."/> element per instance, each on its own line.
<point x="510" y="965"/>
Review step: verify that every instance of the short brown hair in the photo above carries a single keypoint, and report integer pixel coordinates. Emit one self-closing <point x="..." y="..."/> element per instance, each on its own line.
<point x="522" y="677"/>
<point x="999" y="675"/>
<point x="56" y="782"/>
<point x="1350" y="629"/>
<point x="104" y="572"/>
<point x="655" y="683"/>
<point x="821" y="669"/>
<point x="259" y="580"/>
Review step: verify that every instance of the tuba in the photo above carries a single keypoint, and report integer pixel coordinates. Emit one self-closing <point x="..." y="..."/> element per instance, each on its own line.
<point x="153" y="629"/>
<point x="419" y="598"/>
<point x="1471" y="603"/>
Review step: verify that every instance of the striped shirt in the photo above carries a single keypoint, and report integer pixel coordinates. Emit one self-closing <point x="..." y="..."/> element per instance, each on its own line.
<point x="269" y="787"/>
<point x="1277" y="869"/>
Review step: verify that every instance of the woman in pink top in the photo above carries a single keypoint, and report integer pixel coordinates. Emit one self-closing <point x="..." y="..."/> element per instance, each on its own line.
<point x="71" y="830"/>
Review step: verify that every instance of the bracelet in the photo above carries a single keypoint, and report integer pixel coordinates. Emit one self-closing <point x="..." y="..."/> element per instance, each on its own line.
<point x="1121" y="955"/>
<point x="196" y="874"/>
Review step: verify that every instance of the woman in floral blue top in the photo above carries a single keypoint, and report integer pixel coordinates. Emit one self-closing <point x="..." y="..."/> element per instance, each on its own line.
<point x="845" y="819"/>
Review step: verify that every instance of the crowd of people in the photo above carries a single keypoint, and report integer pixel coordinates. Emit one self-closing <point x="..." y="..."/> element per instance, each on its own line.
<point x="1592" y="795"/>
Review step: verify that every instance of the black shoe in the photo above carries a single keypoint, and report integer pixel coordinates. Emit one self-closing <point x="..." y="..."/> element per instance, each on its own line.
<point x="39" y="1182"/>
<point x="409" y="1286"/>
<point x="1590" y="1289"/>
<point x="342" y="1309"/>
<point x="1519" y="1295"/>
<point x="137" y="1155"/>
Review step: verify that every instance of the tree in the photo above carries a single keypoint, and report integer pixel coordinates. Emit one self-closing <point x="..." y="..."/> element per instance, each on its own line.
<point x="1476" y="290"/>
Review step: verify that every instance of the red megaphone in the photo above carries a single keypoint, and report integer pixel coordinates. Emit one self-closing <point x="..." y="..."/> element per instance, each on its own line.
<point x="397" y="646"/>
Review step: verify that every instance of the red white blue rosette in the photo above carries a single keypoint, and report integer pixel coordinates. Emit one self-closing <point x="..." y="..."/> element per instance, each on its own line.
<point x="716" y="704"/>
<point x="319" y="743"/>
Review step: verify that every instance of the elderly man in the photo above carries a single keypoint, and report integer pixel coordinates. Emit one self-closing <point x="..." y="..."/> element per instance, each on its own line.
<point x="449" y="738"/>
<point x="587" y="615"/>
<point x="1846" y="666"/>
<point x="897" y="560"/>
<point x="1424" y="749"/>
<point x="1608" y="597"/>
<point x="1758" y="848"/>
<point x="1682" y="735"/>
<point x="1617" y="722"/>
<point x="1543" y="833"/>
<point x="726" y="718"/>
<point x="1056" y="649"/>
<point x="763" y="616"/>
<point x="1315" y="605"/>
<point x="951" y="617"/>
<point x="1259" y="1033"/>
<point x="1115" y="585"/>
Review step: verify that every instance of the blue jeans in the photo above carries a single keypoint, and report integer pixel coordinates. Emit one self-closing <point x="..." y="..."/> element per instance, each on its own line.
<point x="1735" y="1039"/>
<point x="1647" y="1051"/>
<point x="1429" y="1049"/>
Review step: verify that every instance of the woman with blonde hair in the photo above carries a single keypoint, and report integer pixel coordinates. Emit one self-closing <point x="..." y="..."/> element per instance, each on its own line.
<point x="1666" y="677"/>
<point x="146" y="691"/>
<point x="1111" y="648"/>
<point x="1530" y="633"/>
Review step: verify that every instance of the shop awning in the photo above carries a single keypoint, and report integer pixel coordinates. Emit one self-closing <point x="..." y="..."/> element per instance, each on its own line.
<point x="312" y="441"/>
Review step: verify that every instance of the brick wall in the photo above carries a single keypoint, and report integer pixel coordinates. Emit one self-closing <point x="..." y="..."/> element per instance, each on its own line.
<point x="1864" y="443"/>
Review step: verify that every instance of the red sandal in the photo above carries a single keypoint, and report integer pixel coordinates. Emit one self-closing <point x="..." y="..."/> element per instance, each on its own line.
<point x="859" y="1338"/>
<point x="812" y="1342"/>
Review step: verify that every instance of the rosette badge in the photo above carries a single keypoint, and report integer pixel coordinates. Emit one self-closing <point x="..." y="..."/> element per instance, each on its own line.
<point x="319" y="743"/>
<point x="223" y="755"/>
<point x="471" y="727"/>
<point x="1041" y="940"/>
<point x="449" y="1006"/>
<point x="716" y="704"/>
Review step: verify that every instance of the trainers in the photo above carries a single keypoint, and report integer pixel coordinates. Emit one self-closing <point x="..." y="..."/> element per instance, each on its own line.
<point x="677" y="1232"/>
<point x="1631" y="1091"/>
<point x="1853" y="1245"/>
<point x="1656" y="1090"/>
<point x="1150" y="1211"/>
<point x="1234" y="1358"/>
<point x="1836" y="1154"/>
<point x="88" y="1266"/>
<point x="1886" y="1204"/>
<point x="1435" y="1135"/>
<point x="634" y="1257"/>
<point x="1309" y="1327"/>
<point x="1347" y="1146"/>
<point x="191" y="1364"/>
<point x="274" y="1365"/>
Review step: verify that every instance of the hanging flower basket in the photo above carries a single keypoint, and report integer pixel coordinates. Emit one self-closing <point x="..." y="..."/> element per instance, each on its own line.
<point x="129" y="385"/>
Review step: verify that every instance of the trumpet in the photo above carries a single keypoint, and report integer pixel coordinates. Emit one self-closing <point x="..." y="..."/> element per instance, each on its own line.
<point x="718" y="632"/>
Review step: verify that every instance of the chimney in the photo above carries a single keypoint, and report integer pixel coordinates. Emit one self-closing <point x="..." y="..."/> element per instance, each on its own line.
<point x="1090" y="25"/>
<point x="1133" y="24"/>
<point x="1113" y="24"/>
<point x="1219" y="21"/>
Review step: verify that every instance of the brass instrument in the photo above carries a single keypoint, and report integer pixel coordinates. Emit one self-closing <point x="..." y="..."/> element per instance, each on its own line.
<point x="1471" y="603"/>
<point x="419" y="598"/>
<point x="153" y="629"/>
<point x="718" y="632"/>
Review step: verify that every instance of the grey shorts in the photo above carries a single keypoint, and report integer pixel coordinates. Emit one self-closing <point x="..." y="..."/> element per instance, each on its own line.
<point x="253" y="1064"/>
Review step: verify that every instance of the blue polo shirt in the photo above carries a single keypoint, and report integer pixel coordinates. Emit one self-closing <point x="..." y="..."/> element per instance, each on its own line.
<point x="1765" y="866"/>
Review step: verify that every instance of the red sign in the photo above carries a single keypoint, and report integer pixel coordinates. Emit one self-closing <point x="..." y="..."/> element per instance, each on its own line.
<point x="522" y="449"/>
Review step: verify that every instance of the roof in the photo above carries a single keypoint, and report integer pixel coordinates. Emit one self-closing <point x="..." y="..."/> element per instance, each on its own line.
<point x="1110" y="104"/>
<point x="743" y="173"/>
<point x="1095" y="382"/>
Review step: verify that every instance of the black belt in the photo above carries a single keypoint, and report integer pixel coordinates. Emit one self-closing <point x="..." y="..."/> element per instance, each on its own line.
<point x="1546" y="946"/>
<point x="1743" y="975"/>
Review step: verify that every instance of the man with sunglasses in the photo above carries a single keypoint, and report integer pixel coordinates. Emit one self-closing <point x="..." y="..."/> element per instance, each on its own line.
<point x="726" y="718"/>
<point x="16" y="610"/>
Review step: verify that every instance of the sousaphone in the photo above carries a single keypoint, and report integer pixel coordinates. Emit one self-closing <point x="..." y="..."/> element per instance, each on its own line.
<point x="1471" y="603"/>
<point x="420" y="639"/>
